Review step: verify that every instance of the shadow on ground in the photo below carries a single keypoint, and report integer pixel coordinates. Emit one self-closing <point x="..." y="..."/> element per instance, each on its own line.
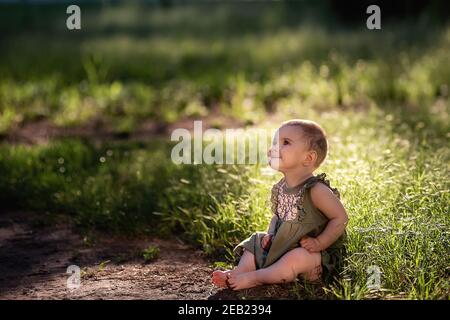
<point x="36" y="250"/>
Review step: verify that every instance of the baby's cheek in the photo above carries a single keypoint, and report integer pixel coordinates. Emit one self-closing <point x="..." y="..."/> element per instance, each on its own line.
<point x="287" y="157"/>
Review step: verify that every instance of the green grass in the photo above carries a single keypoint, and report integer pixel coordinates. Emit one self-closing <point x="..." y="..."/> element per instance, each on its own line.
<point x="100" y="188"/>
<point x="393" y="179"/>
<point x="382" y="97"/>
<point x="150" y="253"/>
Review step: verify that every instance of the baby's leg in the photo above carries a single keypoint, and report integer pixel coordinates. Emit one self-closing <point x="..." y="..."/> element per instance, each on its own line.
<point x="246" y="264"/>
<point x="294" y="262"/>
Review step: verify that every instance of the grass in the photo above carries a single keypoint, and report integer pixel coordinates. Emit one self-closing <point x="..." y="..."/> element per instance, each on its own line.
<point x="150" y="253"/>
<point x="382" y="98"/>
<point x="396" y="194"/>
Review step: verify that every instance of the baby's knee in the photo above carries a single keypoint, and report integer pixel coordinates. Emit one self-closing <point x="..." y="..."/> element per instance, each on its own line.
<point x="303" y="260"/>
<point x="247" y="252"/>
<point x="297" y="253"/>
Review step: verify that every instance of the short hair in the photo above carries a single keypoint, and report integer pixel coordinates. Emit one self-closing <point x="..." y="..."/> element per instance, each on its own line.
<point x="315" y="137"/>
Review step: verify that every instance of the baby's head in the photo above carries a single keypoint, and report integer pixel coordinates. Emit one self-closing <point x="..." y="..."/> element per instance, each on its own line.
<point x="298" y="145"/>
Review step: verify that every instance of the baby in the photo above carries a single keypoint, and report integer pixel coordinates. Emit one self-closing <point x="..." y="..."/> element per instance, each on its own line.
<point x="306" y="235"/>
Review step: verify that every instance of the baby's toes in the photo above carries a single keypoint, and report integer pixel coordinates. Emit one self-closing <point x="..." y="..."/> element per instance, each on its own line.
<point x="228" y="273"/>
<point x="231" y="284"/>
<point x="231" y="278"/>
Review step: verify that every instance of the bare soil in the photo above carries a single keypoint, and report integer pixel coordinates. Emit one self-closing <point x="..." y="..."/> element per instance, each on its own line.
<point x="36" y="250"/>
<point x="98" y="129"/>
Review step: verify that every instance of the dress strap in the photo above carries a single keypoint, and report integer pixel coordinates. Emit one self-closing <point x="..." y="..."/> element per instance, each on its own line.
<point x="322" y="178"/>
<point x="309" y="184"/>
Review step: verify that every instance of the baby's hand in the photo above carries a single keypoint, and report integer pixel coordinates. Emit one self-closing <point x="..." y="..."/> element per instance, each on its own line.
<point x="266" y="241"/>
<point x="310" y="244"/>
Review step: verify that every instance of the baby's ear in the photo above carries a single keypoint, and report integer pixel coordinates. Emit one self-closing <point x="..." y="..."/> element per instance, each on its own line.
<point x="310" y="159"/>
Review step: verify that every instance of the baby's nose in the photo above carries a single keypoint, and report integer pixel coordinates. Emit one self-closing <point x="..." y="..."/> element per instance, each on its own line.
<point x="273" y="151"/>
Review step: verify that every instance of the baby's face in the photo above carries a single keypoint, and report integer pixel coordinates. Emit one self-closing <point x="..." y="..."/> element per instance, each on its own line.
<point x="289" y="149"/>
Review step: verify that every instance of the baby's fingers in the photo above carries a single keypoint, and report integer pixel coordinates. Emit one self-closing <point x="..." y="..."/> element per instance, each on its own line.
<point x="306" y="244"/>
<point x="305" y="238"/>
<point x="263" y="242"/>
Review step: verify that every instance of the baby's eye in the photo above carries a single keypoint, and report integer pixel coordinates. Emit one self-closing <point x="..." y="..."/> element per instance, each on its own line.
<point x="285" y="142"/>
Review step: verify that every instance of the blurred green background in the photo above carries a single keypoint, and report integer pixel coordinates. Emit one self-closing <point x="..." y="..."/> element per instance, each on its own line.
<point x="166" y="60"/>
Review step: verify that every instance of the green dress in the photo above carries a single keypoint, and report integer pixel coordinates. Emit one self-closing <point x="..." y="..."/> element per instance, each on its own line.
<point x="305" y="220"/>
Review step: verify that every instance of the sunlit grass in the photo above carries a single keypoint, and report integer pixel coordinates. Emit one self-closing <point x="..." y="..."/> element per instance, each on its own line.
<point x="393" y="182"/>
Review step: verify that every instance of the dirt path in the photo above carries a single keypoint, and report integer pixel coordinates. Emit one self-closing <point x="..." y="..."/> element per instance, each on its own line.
<point x="43" y="130"/>
<point x="35" y="255"/>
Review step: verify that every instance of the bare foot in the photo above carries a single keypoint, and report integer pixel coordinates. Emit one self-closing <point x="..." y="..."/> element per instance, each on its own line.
<point x="219" y="278"/>
<point x="243" y="280"/>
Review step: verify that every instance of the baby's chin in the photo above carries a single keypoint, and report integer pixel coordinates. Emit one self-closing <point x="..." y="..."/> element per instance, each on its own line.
<point x="275" y="163"/>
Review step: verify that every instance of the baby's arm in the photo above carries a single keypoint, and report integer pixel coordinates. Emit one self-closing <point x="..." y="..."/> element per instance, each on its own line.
<point x="266" y="240"/>
<point x="272" y="225"/>
<point x="324" y="199"/>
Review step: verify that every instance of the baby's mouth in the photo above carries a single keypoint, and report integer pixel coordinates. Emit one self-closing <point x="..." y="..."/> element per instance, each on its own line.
<point x="274" y="160"/>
